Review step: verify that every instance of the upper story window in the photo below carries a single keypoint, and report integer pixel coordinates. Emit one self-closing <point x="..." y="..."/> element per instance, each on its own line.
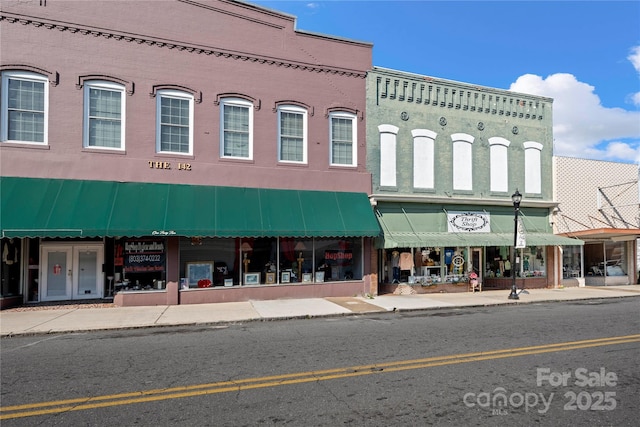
<point x="104" y="104"/>
<point x="388" y="153"/>
<point x="236" y="139"/>
<point x="343" y="136"/>
<point x="462" y="161"/>
<point x="174" y="122"/>
<point x="292" y="134"/>
<point x="532" y="167"/>
<point x="24" y="104"/>
<point x="424" y="141"/>
<point x="499" y="164"/>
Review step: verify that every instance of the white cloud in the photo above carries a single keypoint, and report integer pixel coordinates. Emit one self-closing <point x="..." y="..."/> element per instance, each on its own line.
<point x="634" y="58"/>
<point x="582" y="127"/>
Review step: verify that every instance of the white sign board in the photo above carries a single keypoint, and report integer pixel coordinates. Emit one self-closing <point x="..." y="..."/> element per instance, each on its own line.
<point x="468" y="222"/>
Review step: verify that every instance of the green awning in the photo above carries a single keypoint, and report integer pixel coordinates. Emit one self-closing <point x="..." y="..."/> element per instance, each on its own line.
<point x="405" y="230"/>
<point x="34" y="207"/>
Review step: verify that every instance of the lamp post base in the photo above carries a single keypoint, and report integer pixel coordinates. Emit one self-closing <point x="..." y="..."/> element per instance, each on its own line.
<point x="513" y="294"/>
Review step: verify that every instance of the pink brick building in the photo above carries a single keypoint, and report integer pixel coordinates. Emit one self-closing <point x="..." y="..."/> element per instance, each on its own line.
<point x="153" y="143"/>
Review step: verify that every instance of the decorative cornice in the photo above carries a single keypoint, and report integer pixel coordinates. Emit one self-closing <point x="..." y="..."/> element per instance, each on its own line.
<point x="197" y="95"/>
<point x="353" y="111"/>
<point x="54" y="76"/>
<point x="257" y="103"/>
<point x="13" y="18"/>
<point x="458" y="96"/>
<point x="307" y="107"/>
<point x="129" y="86"/>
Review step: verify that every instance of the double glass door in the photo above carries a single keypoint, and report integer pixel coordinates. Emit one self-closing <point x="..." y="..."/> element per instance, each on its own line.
<point x="71" y="271"/>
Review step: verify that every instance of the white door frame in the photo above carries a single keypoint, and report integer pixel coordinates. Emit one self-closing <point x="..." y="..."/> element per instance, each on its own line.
<point x="72" y="271"/>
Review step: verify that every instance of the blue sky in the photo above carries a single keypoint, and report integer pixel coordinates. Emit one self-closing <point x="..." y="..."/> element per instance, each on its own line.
<point x="583" y="54"/>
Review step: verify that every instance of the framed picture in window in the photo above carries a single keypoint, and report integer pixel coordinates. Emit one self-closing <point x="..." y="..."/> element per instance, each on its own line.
<point x="200" y="270"/>
<point x="319" y="276"/>
<point x="285" y="277"/>
<point x="271" y="278"/>
<point x="251" y="278"/>
<point x="307" y="277"/>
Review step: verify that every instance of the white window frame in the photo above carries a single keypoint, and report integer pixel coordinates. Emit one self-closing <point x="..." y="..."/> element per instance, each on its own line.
<point x="4" y="102"/>
<point x="354" y="138"/>
<point x="237" y="102"/>
<point x="103" y="85"/>
<point x="295" y="110"/>
<point x="167" y="93"/>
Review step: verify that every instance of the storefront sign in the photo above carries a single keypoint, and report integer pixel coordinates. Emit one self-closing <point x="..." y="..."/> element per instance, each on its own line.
<point x="144" y="255"/>
<point x="469" y="222"/>
<point x="338" y="257"/>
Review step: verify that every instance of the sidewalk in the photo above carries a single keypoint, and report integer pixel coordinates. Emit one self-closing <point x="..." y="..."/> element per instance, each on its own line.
<point x="76" y="318"/>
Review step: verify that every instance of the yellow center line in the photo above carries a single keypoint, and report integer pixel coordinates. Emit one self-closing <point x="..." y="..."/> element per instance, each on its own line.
<point x="84" y="403"/>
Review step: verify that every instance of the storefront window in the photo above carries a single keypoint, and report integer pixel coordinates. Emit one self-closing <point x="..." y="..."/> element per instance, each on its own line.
<point x="139" y="262"/>
<point x="594" y="259"/>
<point x="533" y="262"/>
<point x="455" y="263"/>
<point x="338" y="259"/>
<point x="498" y="261"/>
<point x="615" y="259"/>
<point x="425" y="265"/>
<point x="571" y="265"/>
<point x="11" y="261"/>
<point x="269" y="260"/>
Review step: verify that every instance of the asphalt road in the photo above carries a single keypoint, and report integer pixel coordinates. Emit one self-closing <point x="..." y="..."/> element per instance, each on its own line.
<point x="565" y="363"/>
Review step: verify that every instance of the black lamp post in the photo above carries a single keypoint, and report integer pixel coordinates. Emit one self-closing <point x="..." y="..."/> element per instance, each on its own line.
<point x="516" y="198"/>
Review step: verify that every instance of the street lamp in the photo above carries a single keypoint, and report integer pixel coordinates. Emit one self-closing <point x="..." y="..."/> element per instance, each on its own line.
<point x="516" y="198"/>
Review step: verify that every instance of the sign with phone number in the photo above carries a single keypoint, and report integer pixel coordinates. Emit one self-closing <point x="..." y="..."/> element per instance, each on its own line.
<point x="144" y="256"/>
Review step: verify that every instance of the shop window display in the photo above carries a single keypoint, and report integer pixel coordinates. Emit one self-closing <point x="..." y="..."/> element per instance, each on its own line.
<point x="571" y="265"/>
<point x="11" y="261"/>
<point x="275" y="260"/>
<point x="615" y="263"/>
<point x="533" y="262"/>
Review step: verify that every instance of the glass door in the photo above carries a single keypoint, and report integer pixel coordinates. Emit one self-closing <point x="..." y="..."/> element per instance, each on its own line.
<point x="87" y="272"/>
<point x="71" y="272"/>
<point x="56" y="273"/>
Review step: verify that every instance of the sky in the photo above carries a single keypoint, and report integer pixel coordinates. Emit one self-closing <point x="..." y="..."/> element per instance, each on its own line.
<point x="583" y="54"/>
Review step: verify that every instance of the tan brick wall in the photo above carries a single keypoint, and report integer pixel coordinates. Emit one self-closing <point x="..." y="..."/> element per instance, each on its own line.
<point x="577" y="185"/>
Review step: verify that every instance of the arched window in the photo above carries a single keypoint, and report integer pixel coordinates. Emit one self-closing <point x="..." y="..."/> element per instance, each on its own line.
<point x="462" y="161"/>
<point x="343" y="135"/>
<point x="236" y="130"/>
<point x="532" y="167"/>
<point x="499" y="164"/>
<point x="24" y="105"/>
<point x="104" y="115"/>
<point x="292" y="134"/>
<point x="174" y="122"/>
<point x="388" y="145"/>
<point x="423" y="158"/>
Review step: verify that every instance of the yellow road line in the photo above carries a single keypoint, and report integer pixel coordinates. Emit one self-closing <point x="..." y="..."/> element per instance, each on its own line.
<point x="84" y="403"/>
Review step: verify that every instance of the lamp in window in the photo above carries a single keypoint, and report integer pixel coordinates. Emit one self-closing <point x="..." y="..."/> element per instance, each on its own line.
<point x="246" y="248"/>
<point x="299" y="248"/>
